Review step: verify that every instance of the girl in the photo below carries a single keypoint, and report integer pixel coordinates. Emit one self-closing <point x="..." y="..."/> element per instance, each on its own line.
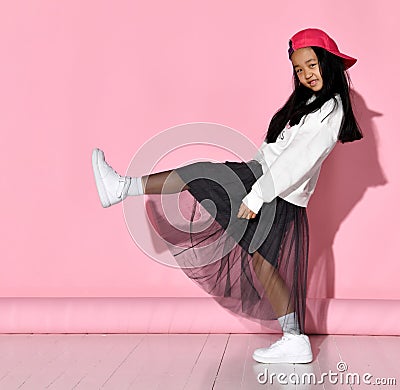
<point x="260" y="218"/>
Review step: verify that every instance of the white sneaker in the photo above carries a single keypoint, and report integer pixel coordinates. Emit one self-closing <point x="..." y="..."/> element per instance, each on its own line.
<point x="291" y="348"/>
<point x="112" y="187"/>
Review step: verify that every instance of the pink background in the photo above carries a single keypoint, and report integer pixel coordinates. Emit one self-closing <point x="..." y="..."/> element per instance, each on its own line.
<point x="82" y="74"/>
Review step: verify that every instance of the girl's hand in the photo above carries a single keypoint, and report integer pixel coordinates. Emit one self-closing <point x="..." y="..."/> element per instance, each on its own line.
<point x="245" y="212"/>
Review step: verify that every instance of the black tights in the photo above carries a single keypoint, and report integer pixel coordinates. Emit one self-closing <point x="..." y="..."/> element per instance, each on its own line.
<point x="167" y="182"/>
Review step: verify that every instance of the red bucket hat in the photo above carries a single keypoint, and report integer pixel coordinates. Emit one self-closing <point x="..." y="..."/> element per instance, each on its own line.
<point x="315" y="37"/>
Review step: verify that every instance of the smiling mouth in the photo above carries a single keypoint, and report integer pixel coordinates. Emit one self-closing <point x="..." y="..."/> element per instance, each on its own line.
<point x="313" y="83"/>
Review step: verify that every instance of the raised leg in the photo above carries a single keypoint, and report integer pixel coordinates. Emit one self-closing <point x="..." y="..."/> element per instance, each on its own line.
<point x="167" y="182"/>
<point x="114" y="188"/>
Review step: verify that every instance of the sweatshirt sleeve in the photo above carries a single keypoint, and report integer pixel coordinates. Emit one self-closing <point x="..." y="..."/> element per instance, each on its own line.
<point x="316" y="137"/>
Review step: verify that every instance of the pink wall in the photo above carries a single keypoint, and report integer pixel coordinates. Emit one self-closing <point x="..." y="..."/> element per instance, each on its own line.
<point x="82" y="74"/>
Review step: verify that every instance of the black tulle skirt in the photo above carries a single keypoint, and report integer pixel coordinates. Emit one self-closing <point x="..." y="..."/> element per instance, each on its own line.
<point x="233" y="258"/>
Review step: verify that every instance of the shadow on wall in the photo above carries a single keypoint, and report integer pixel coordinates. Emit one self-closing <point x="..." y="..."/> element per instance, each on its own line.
<point x="345" y="177"/>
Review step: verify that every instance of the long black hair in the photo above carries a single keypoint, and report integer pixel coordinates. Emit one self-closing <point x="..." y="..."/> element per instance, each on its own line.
<point x="335" y="80"/>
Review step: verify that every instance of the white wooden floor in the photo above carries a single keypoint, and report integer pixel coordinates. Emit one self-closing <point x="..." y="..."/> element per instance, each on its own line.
<point x="188" y="361"/>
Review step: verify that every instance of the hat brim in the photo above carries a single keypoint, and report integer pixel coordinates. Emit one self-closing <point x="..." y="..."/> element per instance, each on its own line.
<point x="348" y="61"/>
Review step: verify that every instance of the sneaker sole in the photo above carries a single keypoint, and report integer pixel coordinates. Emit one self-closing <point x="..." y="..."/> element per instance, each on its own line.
<point x="287" y="359"/>
<point x="98" y="155"/>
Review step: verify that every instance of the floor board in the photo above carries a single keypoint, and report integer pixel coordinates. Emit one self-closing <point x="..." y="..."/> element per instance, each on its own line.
<point x="190" y="362"/>
<point x="208" y="363"/>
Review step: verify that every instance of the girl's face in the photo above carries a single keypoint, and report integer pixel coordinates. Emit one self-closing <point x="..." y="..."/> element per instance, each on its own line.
<point x="306" y="66"/>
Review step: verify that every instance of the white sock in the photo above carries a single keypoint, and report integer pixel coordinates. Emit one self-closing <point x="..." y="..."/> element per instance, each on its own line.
<point x="136" y="186"/>
<point x="289" y="323"/>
